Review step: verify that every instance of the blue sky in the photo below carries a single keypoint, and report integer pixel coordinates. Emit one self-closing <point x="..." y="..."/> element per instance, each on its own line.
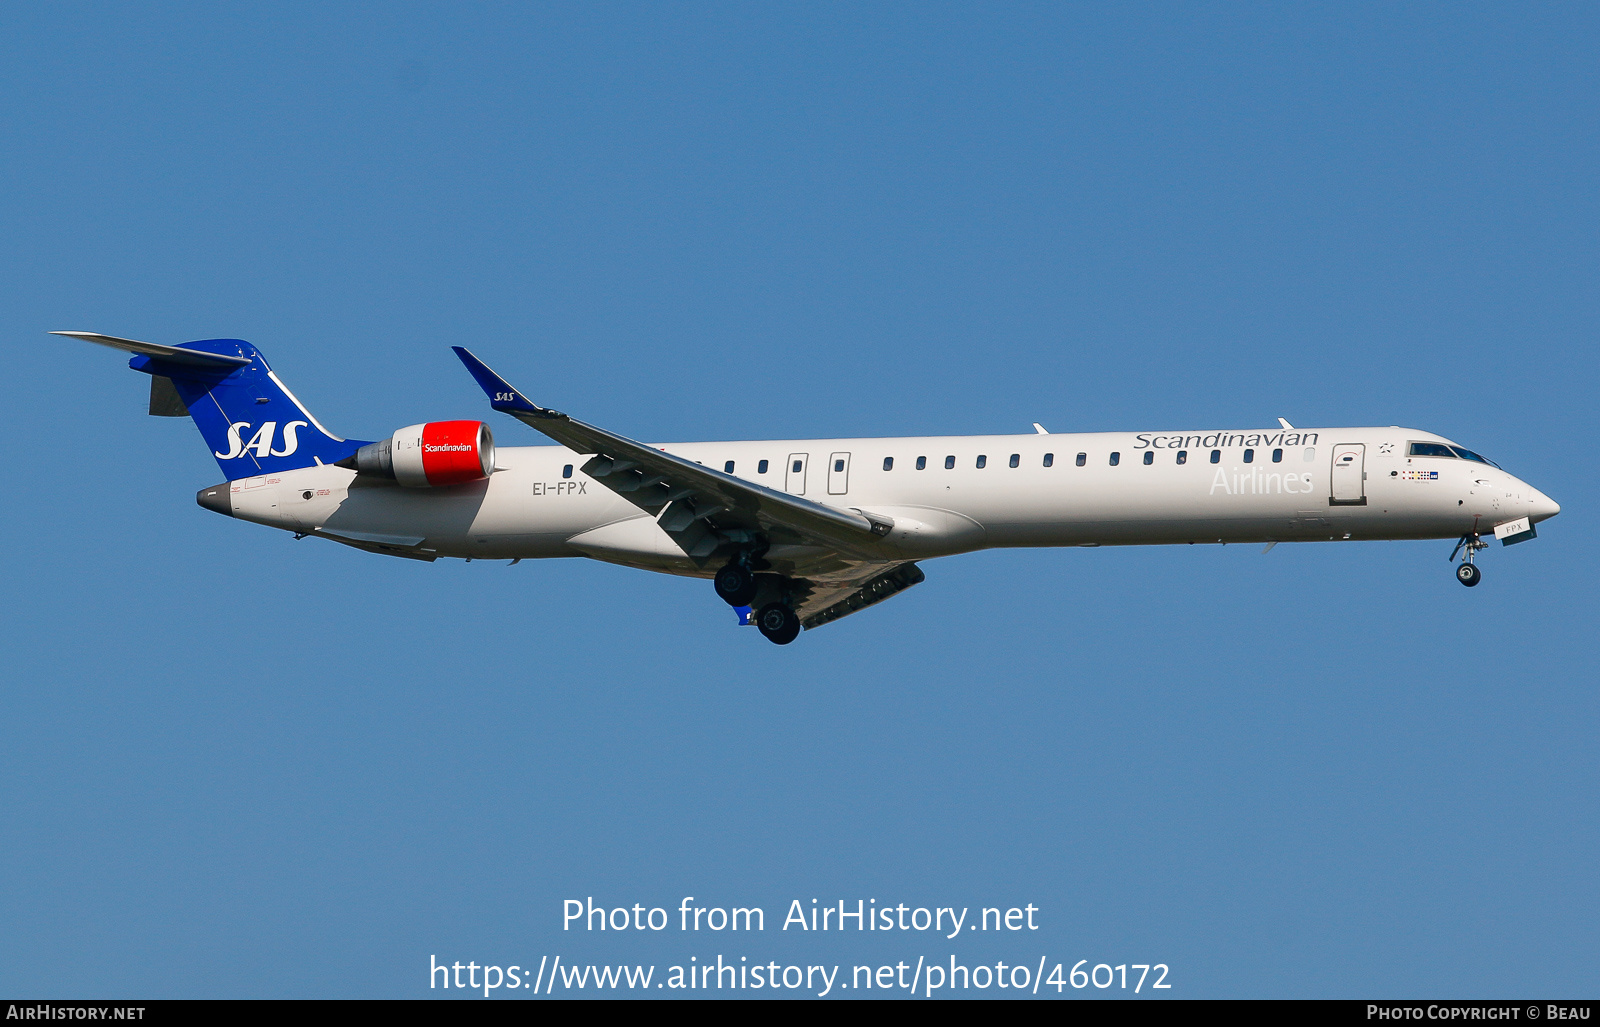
<point x="238" y="765"/>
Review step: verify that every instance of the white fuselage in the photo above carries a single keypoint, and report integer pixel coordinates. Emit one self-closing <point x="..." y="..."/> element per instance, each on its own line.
<point x="1281" y="485"/>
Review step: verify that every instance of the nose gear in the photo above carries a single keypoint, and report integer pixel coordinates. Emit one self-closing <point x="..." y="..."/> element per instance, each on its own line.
<point x="1469" y="544"/>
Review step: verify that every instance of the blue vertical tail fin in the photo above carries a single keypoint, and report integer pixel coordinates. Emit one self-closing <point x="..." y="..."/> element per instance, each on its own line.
<point x="250" y="420"/>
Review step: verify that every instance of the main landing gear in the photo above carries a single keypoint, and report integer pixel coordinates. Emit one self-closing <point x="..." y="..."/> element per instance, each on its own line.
<point x="1468" y="573"/>
<point x="736" y="584"/>
<point x="779" y="623"/>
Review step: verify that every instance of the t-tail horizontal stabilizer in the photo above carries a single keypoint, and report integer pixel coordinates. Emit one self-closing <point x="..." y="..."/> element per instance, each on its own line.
<point x="171" y="354"/>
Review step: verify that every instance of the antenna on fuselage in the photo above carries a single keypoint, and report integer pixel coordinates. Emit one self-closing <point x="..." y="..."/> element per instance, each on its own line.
<point x="1286" y="424"/>
<point x="1039" y="428"/>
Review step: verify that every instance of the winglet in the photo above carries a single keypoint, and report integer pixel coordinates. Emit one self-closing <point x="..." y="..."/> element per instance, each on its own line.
<point x="502" y="396"/>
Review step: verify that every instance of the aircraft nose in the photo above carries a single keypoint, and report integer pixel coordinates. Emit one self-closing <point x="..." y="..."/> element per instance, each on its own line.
<point x="1543" y="507"/>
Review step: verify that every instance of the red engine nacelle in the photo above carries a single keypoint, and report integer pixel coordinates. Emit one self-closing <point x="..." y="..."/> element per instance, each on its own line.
<point x="430" y="455"/>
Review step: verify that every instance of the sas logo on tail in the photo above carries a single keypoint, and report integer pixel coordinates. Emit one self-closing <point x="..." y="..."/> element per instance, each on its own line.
<point x="261" y="442"/>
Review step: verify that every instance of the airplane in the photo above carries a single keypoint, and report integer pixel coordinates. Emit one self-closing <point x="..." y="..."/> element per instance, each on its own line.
<point x="799" y="533"/>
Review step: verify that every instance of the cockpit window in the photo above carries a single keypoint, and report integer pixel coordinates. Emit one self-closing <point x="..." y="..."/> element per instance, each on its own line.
<point x="1431" y="449"/>
<point x="1467" y="454"/>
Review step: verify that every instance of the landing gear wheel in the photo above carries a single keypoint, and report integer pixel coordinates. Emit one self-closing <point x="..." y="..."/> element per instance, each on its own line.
<point x="736" y="585"/>
<point x="778" y="623"/>
<point x="1468" y="574"/>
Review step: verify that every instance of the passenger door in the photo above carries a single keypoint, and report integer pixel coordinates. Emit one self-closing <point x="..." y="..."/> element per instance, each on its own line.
<point x="838" y="473"/>
<point x="1349" y="478"/>
<point x="794" y="481"/>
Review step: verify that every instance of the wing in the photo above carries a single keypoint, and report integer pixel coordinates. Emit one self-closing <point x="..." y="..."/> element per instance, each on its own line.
<point x="705" y="511"/>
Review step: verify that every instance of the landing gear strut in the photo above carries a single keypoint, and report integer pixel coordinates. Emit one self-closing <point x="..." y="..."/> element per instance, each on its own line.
<point x="736" y="584"/>
<point x="1468" y="573"/>
<point x="779" y="623"/>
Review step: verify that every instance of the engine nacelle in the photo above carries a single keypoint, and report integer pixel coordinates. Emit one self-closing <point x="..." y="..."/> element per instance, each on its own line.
<point x="430" y="455"/>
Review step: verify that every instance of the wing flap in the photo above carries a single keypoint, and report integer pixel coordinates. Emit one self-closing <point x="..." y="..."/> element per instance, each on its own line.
<point x="824" y="606"/>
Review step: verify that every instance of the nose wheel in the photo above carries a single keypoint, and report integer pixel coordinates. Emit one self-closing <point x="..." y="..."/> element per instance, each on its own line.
<point x="1468" y="573"/>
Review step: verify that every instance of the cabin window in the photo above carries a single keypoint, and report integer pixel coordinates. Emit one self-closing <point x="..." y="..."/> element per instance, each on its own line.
<point x="922" y="463"/>
<point x="728" y="467"/>
<point x="1083" y="458"/>
<point x="1431" y="449"/>
<point x="761" y="467"/>
<point x="1216" y="456"/>
<point x="1049" y="459"/>
<point x="1116" y="458"/>
<point x="1183" y="456"/>
<point x="1149" y="457"/>
<point x="566" y="472"/>
<point x="797" y="466"/>
<point x="983" y="461"/>
<point x="838" y="465"/>
<point x="888" y="463"/>
<point x="1311" y="453"/>
<point x="1016" y="459"/>
<point x="1249" y="456"/>
<point x="949" y="463"/>
<point x="1277" y="456"/>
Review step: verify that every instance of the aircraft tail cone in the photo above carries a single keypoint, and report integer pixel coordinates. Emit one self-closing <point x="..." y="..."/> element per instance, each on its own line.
<point x="216" y="499"/>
